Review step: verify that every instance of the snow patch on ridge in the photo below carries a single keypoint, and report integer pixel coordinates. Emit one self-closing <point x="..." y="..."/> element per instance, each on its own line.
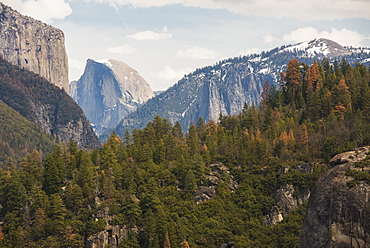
<point x="104" y="61"/>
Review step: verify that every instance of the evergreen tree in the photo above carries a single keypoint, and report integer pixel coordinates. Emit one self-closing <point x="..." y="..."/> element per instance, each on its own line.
<point x="54" y="172"/>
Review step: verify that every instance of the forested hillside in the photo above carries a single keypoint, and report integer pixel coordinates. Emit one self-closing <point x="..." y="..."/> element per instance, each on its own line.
<point x="44" y="104"/>
<point x="212" y="186"/>
<point x="18" y="137"/>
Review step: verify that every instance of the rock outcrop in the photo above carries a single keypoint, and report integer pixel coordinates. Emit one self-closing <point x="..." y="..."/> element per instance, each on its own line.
<point x="111" y="236"/>
<point x="33" y="45"/>
<point x="286" y="201"/>
<point x="338" y="211"/>
<point x="287" y="198"/>
<point x="206" y="192"/>
<point x="109" y="90"/>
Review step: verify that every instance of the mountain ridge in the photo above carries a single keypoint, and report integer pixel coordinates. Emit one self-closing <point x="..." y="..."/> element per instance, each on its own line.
<point x="226" y="86"/>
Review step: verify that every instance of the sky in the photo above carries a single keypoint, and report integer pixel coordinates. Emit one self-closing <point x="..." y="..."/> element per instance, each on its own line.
<point x="165" y="39"/>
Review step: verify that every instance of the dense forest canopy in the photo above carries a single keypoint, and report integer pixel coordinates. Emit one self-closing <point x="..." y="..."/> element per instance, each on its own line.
<point x="149" y="179"/>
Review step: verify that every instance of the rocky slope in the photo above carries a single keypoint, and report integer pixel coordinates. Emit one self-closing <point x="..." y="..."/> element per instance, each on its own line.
<point x="226" y="86"/>
<point x="109" y="90"/>
<point x="44" y="104"/>
<point x="338" y="211"/>
<point x="33" y="45"/>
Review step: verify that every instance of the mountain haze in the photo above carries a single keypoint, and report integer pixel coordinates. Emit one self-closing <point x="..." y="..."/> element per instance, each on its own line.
<point x="109" y="90"/>
<point x="226" y="86"/>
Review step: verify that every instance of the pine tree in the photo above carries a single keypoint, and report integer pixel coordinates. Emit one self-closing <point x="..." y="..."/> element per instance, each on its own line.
<point x="31" y="170"/>
<point x="293" y="75"/>
<point x="54" y="172"/>
<point x="190" y="182"/>
<point x="177" y="130"/>
<point x="193" y="140"/>
<point x="127" y="139"/>
<point x="13" y="195"/>
<point x="342" y="98"/>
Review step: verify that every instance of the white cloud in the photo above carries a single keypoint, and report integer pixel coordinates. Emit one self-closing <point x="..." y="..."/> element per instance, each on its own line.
<point x="151" y="35"/>
<point x="124" y="49"/>
<point x="269" y="38"/>
<point x="298" y="9"/>
<point x="170" y="74"/>
<point x="43" y="10"/>
<point x="195" y="52"/>
<point x="252" y="50"/>
<point x="75" y="63"/>
<point x="343" y="36"/>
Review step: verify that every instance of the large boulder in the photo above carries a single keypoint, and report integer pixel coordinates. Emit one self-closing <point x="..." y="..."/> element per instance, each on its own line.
<point x="338" y="211"/>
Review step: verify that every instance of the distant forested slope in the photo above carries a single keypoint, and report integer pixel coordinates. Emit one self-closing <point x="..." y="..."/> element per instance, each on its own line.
<point x="45" y="105"/>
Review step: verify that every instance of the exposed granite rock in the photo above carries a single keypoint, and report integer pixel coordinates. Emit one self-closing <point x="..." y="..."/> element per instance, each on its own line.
<point x="227" y="245"/>
<point x="112" y="236"/>
<point x="286" y="199"/>
<point x="108" y="91"/>
<point x="205" y="193"/>
<point x="273" y="217"/>
<point x="286" y="202"/>
<point x="33" y="45"/>
<point x="338" y="215"/>
<point x="305" y="168"/>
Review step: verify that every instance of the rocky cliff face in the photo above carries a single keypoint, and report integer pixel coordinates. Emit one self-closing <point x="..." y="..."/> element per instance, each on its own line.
<point x="33" y="45"/>
<point x="108" y="91"/>
<point x="338" y="211"/>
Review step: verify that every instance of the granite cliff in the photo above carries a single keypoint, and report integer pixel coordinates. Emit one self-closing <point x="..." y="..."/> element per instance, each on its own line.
<point x="33" y="45"/>
<point x="109" y="90"/>
<point x="338" y="211"/>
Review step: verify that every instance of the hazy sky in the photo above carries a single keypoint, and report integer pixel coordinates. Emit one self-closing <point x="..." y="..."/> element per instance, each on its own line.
<point x="165" y="39"/>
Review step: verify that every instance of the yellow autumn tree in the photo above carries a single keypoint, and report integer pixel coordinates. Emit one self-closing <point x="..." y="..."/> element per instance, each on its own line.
<point x="167" y="243"/>
<point x="303" y="137"/>
<point x="184" y="244"/>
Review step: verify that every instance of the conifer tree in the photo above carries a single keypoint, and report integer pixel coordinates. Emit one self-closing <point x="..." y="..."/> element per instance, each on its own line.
<point x="293" y="75"/>
<point x="177" y="130"/>
<point x="54" y="172"/>
<point x="193" y="140"/>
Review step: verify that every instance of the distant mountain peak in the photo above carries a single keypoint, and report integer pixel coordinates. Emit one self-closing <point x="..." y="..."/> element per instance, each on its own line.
<point x="109" y="90"/>
<point x="319" y="47"/>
